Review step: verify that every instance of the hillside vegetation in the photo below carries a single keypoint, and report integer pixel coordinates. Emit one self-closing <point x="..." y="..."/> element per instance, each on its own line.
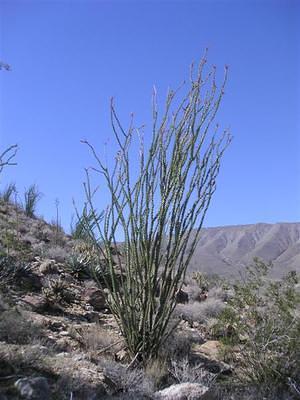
<point x="58" y="339"/>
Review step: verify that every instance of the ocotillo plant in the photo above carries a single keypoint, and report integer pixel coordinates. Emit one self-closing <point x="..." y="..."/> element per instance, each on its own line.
<point x="31" y="197"/>
<point x="6" y="157"/>
<point x="159" y="209"/>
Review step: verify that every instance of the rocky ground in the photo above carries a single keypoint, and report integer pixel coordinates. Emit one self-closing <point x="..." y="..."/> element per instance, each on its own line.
<point x="58" y="339"/>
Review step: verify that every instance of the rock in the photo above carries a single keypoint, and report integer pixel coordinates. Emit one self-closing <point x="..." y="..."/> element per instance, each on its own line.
<point x="31" y="281"/>
<point x="96" y="298"/>
<point x="56" y="326"/>
<point x="182" y="297"/>
<point x="92" y="316"/>
<point x="182" y="391"/>
<point x="211" y="349"/>
<point x="208" y="354"/>
<point x="36" y="302"/>
<point x="33" y="388"/>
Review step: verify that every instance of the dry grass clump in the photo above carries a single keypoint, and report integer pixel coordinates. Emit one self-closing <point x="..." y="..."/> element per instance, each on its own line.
<point x="200" y="312"/>
<point x="96" y="338"/>
<point x="177" y="346"/>
<point x="157" y="372"/>
<point x="56" y="253"/>
<point x="126" y="379"/>
<point x="183" y="371"/>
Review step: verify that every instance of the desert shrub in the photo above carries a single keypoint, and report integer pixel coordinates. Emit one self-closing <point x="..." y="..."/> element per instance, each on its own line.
<point x="31" y="197"/>
<point x="127" y="380"/>
<point x="177" y="346"/>
<point x="200" y="286"/>
<point x="200" y="312"/>
<point x="156" y="370"/>
<point x="94" y="337"/>
<point x="9" y="241"/>
<point x="158" y="207"/>
<point x="7" y="192"/>
<point x="183" y="371"/>
<point x="56" y="253"/>
<point x="207" y="281"/>
<point x="262" y="319"/>
<point x="16" y="328"/>
<point x="201" y="280"/>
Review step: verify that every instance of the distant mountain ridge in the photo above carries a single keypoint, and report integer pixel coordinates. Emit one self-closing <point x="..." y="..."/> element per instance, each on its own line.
<point x="227" y="250"/>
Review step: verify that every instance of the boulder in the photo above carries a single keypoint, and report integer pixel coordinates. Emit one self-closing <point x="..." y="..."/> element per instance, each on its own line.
<point x="33" y="388"/>
<point x="211" y="349"/>
<point x="182" y="391"/>
<point x="208" y="354"/>
<point x="35" y="302"/>
<point x="96" y="298"/>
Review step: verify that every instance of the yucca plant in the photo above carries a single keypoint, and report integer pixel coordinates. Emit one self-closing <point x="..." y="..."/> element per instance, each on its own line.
<point x="157" y="206"/>
<point x="11" y="269"/>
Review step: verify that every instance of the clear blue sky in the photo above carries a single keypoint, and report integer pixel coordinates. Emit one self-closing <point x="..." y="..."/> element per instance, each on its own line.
<point x="69" y="57"/>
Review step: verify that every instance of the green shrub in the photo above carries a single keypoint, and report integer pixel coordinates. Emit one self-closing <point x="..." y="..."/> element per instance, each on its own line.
<point x="262" y="320"/>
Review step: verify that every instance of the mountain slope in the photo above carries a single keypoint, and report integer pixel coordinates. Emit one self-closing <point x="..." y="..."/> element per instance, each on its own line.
<point x="226" y="250"/>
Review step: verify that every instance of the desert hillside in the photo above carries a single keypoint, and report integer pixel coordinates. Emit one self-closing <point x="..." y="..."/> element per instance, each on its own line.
<point x="226" y="250"/>
<point x="60" y="340"/>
